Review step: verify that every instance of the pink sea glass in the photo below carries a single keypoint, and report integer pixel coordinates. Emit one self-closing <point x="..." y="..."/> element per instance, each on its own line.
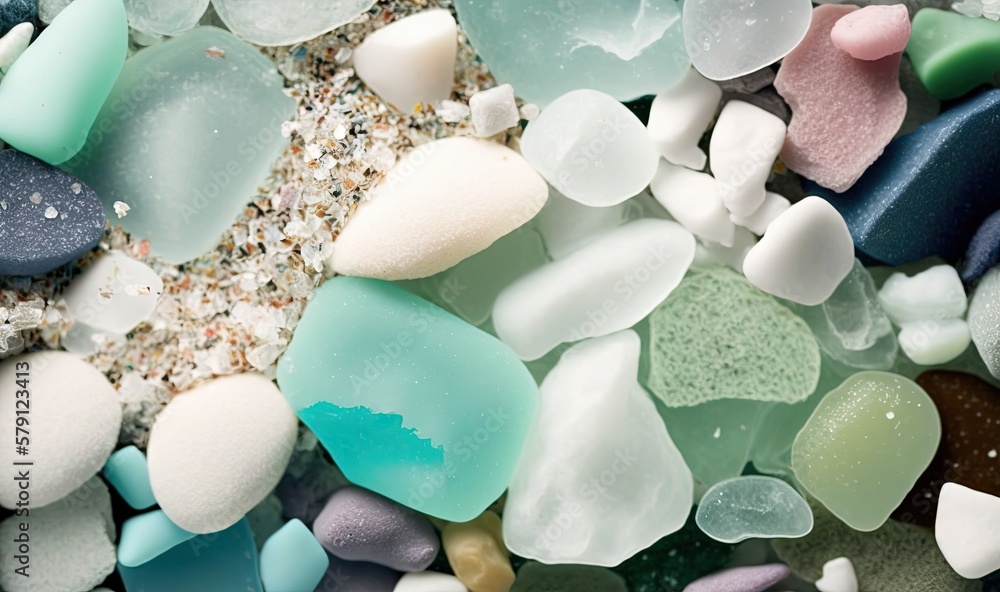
<point x="873" y="32"/>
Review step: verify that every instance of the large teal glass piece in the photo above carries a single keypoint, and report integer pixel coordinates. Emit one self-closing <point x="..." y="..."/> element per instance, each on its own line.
<point x="546" y="48"/>
<point x="190" y="131"/>
<point x="411" y="401"/>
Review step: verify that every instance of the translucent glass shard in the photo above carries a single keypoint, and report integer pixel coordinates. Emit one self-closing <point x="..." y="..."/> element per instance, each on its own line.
<point x="753" y="507"/>
<point x="284" y="22"/>
<point x="155" y="17"/>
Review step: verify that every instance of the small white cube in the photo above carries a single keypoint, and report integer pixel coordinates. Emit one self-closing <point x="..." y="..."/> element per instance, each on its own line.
<point x="494" y="110"/>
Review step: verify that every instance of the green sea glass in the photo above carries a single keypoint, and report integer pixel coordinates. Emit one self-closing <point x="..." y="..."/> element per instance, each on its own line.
<point x="865" y="445"/>
<point x="719" y="337"/>
<point x="185" y="139"/>
<point x="50" y="97"/>
<point x="952" y="53"/>
<point x="411" y="401"/>
<point x="753" y="507"/>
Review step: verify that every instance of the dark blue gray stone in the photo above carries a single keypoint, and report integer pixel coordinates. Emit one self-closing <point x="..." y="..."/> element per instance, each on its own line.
<point x="360" y="525"/>
<point x="930" y="190"/>
<point x="357" y="576"/>
<point x="30" y="243"/>
<point x="984" y="249"/>
<point x="15" y="12"/>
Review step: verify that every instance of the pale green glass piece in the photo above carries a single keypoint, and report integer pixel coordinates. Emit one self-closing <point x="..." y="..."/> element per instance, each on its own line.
<point x="52" y="94"/>
<point x="718" y="337"/>
<point x="156" y="17"/>
<point x="865" y="445"/>
<point x="753" y="507"/>
<point x="411" y="401"/>
<point x="546" y="48"/>
<point x="185" y="139"/>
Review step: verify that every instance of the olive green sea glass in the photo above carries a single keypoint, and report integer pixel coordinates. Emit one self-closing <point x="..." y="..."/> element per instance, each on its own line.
<point x="865" y="445"/>
<point x="953" y="53"/>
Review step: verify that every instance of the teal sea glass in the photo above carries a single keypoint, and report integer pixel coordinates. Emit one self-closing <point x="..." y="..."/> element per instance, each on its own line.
<point x="147" y="536"/>
<point x="292" y="559"/>
<point x="127" y="471"/>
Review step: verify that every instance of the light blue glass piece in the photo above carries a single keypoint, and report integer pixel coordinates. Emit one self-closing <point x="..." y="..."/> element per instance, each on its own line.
<point x="147" y="536"/>
<point x="292" y="560"/>
<point x="128" y="473"/>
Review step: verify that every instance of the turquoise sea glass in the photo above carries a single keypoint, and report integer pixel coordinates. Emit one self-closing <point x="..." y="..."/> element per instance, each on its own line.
<point x="127" y="471"/>
<point x="292" y="559"/>
<point x="411" y="401"/>
<point x="147" y="536"/>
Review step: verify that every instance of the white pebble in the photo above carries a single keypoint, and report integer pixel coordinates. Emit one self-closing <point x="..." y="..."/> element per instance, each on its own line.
<point x="13" y="44"/>
<point x="805" y="254"/>
<point x="966" y="530"/>
<point x="71" y="543"/>
<point x="774" y="205"/>
<point x="121" y="209"/>
<point x="744" y="144"/>
<point x="731" y="256"/>
<point x="936" y="293"/>
<point x="429" y="581"/>
<point x="600" y="479"/>
<point x="114" y="294"/>
<point x="693" y="199"/>
<point x="494" y="110"/>
<point x="74" y="420"/>
<point x="608" y="285"/>
<point x="443" y="202"/>
<point x="838" y="576"/>
<point x="591" y="148"/>
<point x="934" y="342"/>
<point x="218" y="450"/>
<point x="412" y="60"/>
<point x="679" y="117"/>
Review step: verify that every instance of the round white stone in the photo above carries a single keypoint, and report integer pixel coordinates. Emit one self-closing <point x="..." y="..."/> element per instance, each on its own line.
<point x="966" y="530"/>
<point x="445" y="201"/>
<point x="429" y="581"/>
<point x="591" y="148"/>
<point x="805" y="254"/>
<point x="934" y="294"/>
<point x="838" y="576"/>
<point x="411" y="60"/>
<point x="218" y="450"/>
<point x="73" y="420"/>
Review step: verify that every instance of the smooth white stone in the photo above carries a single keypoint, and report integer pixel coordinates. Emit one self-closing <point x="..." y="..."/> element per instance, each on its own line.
<point x="934" y="342"/>
<point x="936" y="293"/>
<point x="745" y="142"/>
<point x="429" y="581"/>
<point x="966" y="530"/>
<point x="600" y="479"/>
<point x="75" y="417"/>
<point x="693" y="199"/>
<point x="494" y="110"/>
<point x="608" y="285"/>
<point x="13" y="44"/>
<point x="285" y="22"/>
<point x="156" y="17"/>
<point x="114" y="294"/>
<point x="443" y="202"/>
<point x="591" y="148"/>
<point x="774" y="205"/>
<point x="218" y="450"/>
<point x="71" y="543"/>
<point x="411" y="60"/>
<point x="679" y="117"/>
<point x="838" y="576"/>
<point x="732" y="256"/>
<point x="567" y="225"/>
<point x="805" y="254"/>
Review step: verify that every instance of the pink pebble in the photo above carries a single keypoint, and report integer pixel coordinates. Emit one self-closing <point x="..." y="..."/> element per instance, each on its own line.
<point x="873" y="32"/>
<point x="844" y="110"/>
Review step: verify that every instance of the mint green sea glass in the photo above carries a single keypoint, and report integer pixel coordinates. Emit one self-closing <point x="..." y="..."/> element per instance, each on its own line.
<point x="186" y="138"/>
<point x="292" y="559"/>
<point x="53" y="92"/>
<point x="753" y="506"/>
<point x="147" y="536"/>
<point x="127" y="471"/>
<point x="865" y="445"/>
<point x="411" y="401"/>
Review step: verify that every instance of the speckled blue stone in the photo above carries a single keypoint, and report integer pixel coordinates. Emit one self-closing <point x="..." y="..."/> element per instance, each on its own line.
<point x="15" y="12"/>
<point x="984" y="249"/>
<point x="30" y="243"/>
<point x="930" y="190"/>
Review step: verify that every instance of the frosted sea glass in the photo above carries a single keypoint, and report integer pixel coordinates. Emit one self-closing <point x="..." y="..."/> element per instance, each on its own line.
<point x="546" y="48"/>
<point x="284" y="22"/>
<point x="865" y="445"/>
<point x="147" y="536"/>
<point x="600" y="479"/>
<point x="411" y="401"/>
<point x="729" y="38"/>
<point x="127" y="471"/>
<point x="753" y="507"/>
<point x="156" y="17"/>
<point x="54" y="91"/>
<point x="185" y="139"/>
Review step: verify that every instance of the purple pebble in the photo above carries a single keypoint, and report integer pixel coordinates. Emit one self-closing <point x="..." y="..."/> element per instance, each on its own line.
<point x="741" y="579"/>
<point x="356" y="576"/>
<point x="359" y="525"/>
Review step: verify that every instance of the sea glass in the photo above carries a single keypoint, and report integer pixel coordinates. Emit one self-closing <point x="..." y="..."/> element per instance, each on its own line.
<point x="951" y="52"/>
<point x="155" y="17"/>
<point x="147" y="536"/>
<point x="753" y="506"/>
<point x="127" y="471"/>
<point x="285" y="22"/>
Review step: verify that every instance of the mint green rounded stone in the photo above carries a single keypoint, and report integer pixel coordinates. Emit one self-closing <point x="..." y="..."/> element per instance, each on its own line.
<point x="952" y="53"/>
<point x="753" y="507"/>
<point x="411" y="401"/>
<point x="147" y="536"/>
<point x="127" y="471"/>
<point x="52" y="94"/>
<point x="865" y="445"/>
<point x="292" y="560"/>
